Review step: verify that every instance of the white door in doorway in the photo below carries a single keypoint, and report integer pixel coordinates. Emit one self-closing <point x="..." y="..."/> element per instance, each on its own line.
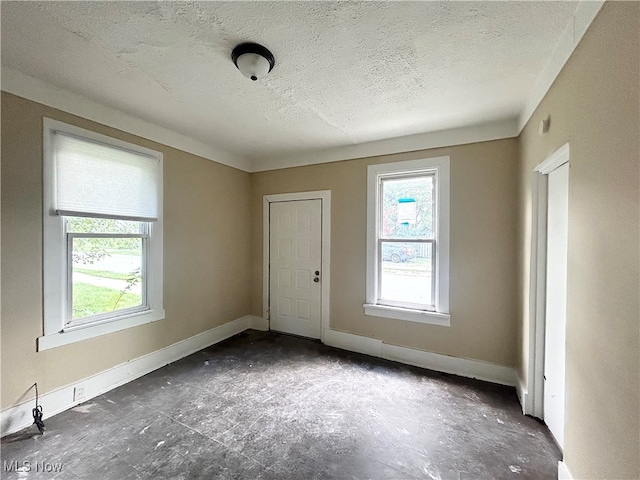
<point x="556" y="300"/>
<point x="295" y="259"/>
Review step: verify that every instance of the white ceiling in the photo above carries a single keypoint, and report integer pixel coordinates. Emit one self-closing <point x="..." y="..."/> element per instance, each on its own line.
<point x="346" y="73"/>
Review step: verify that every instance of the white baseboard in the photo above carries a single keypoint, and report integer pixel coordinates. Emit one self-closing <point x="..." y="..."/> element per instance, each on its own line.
<point x="353" y="343"/>
<point x="463" y="367"/>
<point x="563" y="472"/>
<point x="18" y="417"/>
<point x="259" y="323"/>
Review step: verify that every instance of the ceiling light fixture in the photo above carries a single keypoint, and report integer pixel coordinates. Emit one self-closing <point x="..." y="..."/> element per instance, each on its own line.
<point x="254" y="61"/>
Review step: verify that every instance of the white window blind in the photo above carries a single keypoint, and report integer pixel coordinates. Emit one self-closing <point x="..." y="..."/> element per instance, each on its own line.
<point x="97" y="180"/>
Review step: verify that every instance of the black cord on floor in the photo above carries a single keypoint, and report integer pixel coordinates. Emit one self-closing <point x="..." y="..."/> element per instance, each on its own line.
<point x="37" y="413"/>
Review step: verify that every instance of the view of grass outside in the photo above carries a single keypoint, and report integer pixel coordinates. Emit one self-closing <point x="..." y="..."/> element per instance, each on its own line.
<point x="106" y="285"/>
<point x="107" y="274"/>
<point x="106" y="271"/>
<point x="91" y="300"/>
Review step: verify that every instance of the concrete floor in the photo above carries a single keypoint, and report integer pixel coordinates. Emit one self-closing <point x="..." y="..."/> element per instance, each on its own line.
<point x="268" y="406"/>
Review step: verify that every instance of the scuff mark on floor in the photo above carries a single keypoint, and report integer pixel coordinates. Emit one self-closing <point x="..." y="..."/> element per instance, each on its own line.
<point x="84" y="408"/>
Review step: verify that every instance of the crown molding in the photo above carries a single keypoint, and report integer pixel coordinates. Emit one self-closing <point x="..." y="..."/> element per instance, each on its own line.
<point x="443" y="138"/>
<point x="31" y="88"/>
<point x="585" y="12"/>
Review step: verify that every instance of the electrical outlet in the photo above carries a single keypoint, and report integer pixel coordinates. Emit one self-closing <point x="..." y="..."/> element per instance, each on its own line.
<point x="78" y="393"/>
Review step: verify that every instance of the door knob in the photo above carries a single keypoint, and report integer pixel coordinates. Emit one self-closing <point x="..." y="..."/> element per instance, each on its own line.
<point x="316" y="279"/>
<point x="317" y="272"/>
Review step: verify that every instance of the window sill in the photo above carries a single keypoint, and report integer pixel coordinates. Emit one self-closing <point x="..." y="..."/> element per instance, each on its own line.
<point x="85" y="332"/>
<point x="409" y="315"/>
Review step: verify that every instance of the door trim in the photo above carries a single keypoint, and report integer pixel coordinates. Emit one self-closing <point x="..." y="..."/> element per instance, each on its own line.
<point x="534" y="400"/>
<point x="325" y="197"/>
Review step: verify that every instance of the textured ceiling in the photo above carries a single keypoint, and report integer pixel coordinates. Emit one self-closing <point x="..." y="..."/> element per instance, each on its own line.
<point x="345" y="73"/>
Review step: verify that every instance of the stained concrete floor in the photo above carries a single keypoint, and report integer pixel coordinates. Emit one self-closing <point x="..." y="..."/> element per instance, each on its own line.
<point x="268" y="406"/>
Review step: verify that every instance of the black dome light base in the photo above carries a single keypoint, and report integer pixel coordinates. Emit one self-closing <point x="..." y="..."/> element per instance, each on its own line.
<point x="250" y="47"/>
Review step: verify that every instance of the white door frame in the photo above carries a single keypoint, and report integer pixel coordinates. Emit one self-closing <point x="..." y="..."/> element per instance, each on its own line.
<point x="325" y="197"/>
<point x="534" y="399"/>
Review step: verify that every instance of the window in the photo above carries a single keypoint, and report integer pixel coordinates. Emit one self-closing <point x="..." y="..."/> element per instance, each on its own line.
<point x="102" y="235"/>
<point x="108" y="274"/>
<point x="408" y="241"/>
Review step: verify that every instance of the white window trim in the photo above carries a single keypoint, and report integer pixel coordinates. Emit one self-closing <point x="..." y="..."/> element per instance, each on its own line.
<point x="441" y="315"/>
<point x="55" y="253"/>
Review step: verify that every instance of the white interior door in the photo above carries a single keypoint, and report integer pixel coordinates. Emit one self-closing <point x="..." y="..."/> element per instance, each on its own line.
<point x="295" y="259"/>
<point x="556" y="300"/>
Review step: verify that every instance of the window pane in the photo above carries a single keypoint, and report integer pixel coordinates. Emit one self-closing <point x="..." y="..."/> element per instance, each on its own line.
<point x="101" y="225"/>
<point x="407" y="207"/>
<point x="106" y="275"/>
<point x="406" y="273"/>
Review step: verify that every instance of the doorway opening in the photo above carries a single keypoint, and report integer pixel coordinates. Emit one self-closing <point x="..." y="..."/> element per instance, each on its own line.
<point x="548" y="293"/>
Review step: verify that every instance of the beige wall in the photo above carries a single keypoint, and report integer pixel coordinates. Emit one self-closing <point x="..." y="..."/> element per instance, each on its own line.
<point x="483" y="249"/>
<point x="206" y="256"/>
<point x="594" y="105"/>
